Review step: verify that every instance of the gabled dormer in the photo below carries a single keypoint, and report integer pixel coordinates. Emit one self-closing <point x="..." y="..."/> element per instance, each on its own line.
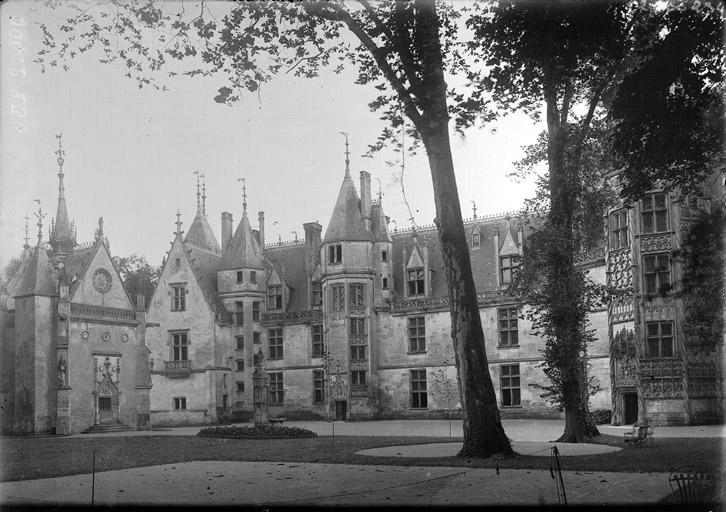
<point x="276" y="292"/>
<point x="416" y="269"/>
<point x="508" y="255"/>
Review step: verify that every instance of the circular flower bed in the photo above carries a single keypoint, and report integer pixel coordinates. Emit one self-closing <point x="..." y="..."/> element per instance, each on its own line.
<point x="257" y="432"/>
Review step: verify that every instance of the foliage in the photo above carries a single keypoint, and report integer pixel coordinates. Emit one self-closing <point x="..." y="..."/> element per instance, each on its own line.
<point x="668" y="113"/>
<point x="601" y="416"/>
<point x="257" y="432"/>
<point x="9" y="271"/>
<point x="445" y="389"/>
<point x="399" y="50"/>
<point x="137" y="275"/>
<point x="702" y="282"/>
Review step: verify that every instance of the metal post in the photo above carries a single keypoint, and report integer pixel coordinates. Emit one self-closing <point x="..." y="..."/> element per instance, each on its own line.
<point x="93" y="478"/>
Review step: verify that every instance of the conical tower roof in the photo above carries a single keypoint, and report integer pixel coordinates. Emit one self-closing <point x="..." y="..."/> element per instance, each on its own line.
<point x="200" y="233"/>
<point x="37" y="278"/>
<point x="346" y="223"/>
<point x="243" y="251"/>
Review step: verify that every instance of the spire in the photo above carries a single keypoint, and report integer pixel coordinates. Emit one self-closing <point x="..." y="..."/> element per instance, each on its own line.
<point x="473" y="206"/>
<point x="199" y="206"/>
<point x="244" y="196"/>
<point x="61" y="237"/>
<point x="178" y="224"/>
<point x="27" y="245"/>
<point x="347" y="155"/>
<point x="204" y="195"/>
<point x="99" y="230"/>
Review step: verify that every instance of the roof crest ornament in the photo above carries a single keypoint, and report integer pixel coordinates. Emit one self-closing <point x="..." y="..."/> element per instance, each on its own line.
<point x="39" y="215"/>
<point x="244" y="196"/>
<point x="347" y="154"/>
<point x="178" y="224"/>
<point x="27" y="245"/>
<point x="199" y="206"/>
<point x="204" y="195"/>
<point x="473" y="206"/>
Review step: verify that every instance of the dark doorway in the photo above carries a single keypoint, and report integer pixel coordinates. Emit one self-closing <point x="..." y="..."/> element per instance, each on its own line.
<point x="341" y="408"/>
<point x="630" y="407"/>
<point x="105" y="409"/>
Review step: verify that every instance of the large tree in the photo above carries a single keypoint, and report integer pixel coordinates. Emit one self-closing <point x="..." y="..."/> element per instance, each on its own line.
<point x="399" y="48"/>
<point x="138" y="276"/>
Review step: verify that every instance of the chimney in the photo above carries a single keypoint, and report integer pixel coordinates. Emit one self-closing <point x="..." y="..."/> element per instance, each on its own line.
<point x="261" y="218"/>
<point x="365" y="197"/>
<point x="256" y="234"/>
<point x="227" y="225"/>
<point x="313" y="232"/>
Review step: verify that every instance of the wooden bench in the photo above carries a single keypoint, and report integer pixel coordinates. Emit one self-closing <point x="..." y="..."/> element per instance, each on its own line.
<point x="639" y="436"/>
<point x="276" y="421"/>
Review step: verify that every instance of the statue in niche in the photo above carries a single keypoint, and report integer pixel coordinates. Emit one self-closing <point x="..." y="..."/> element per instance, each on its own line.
<point x="62" y="373"/>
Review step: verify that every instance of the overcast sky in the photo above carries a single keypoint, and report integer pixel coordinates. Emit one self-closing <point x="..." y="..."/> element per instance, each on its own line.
<point x="131" y="154"/>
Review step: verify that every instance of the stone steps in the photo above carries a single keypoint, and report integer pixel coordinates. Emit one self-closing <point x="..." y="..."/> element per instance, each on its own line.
<point x="112" y="427"/>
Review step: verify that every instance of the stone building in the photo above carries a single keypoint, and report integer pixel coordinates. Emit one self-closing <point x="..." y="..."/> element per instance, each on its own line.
<point x="73" y="356"/>
<point x="662" y="371"/>
<point x="352" y="324"/>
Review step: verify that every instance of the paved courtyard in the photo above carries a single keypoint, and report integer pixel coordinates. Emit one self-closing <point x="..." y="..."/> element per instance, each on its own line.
<point x="285" y="483"/>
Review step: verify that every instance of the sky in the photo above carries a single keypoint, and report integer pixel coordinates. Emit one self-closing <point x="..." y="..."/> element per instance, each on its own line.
<point x="130" y="154"/>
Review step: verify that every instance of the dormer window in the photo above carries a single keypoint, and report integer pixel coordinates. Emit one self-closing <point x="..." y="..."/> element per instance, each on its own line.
<point x="416" y="281"/>
<point x="274" y="297"/>
<point x="335" y="254"/>
<point x="507" y="267"/>
<point x="475" y="240"/>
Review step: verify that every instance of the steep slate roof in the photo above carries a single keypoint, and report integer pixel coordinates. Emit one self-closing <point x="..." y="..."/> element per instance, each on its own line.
<point x="379" y="227"/>
<point x="291" y="258"/>
<point x="243" y="250"/>
<point x="38" y="276"/>
<point x="346" y="223"/>
<point x="200" y="233"/>
<point x="204" y="265"/>
<point x="76" y="263"/>
<point x="483" y="259"/>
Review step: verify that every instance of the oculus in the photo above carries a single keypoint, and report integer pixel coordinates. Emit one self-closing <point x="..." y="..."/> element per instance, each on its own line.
<point x="102" y="280"/>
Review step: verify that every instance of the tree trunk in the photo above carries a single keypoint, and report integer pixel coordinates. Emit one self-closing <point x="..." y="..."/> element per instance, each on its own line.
<point x="567" y="316"/>
<point x="483" y="432"/>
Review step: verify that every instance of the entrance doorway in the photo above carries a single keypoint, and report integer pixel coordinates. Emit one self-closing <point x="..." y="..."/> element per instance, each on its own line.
<point x="630" y="408"/>
<point x="341" y="408"/>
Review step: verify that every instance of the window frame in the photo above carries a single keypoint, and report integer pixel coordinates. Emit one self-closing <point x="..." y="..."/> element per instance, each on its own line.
<point x="659" y="338"/>
<point x="275" y="350"/>
<point x="240" y="366"/>
<point x="355" y="352"/>
<point x="355" y="378"/>
<point x="317" y="339"/>
<point x="240" y="276"/>
<point x="240" y="386"/>
<point x="276" y="389"/>
<point x="360" y="329"/>
<point x="256" y="311"/>
<point x="416" y="335"/>
<point x="649" y="209"/>
<point x="416" y="279"/>
<point x="357" y="295"/>
<point x="506" y="270"/>
<point x="335" y="254"/>
<point x="509" y="391"/>
<point x="318" y="387"/>
<point x="253" y="276"/>
<point x="178" y="296"/>
<point x="256" y="338"/>
<point x="274" y="296"/>
<point x="418" y="387"/>
<point x="239" y="313"/>
<point x="316" y="294"/>
<point x="475" y="240"/>
<point x="619" y="229"/>
<point x="179" y="403"/>
<point x="239" y="341"/>
<point x="180" y="345"/>
<point x="509" y="314"/>
<point x="661" y="276"/>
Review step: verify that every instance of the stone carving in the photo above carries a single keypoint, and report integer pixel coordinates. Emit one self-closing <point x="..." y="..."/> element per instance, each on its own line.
<point x="657" y="243"/>
<point x="627" y="372"/>
<point x="658" y="308"/>
<point x="310" y="314"/>
<point x="590" y="257"/>
<point x="662" y="388"/>
<point x="62" y="373"/>
<point x="621" y="309"/>
<point x="620" y="269"/>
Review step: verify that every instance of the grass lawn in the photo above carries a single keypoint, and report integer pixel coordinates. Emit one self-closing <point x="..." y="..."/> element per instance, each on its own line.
<point x="42" y="457"/>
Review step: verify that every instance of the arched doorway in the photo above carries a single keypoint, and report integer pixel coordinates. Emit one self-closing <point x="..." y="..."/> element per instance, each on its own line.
<point x="106" y="393"/>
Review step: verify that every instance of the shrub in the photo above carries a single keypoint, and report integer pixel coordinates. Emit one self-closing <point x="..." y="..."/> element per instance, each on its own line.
<point x="601" y="416"/>
<point x="256" y="432"/>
